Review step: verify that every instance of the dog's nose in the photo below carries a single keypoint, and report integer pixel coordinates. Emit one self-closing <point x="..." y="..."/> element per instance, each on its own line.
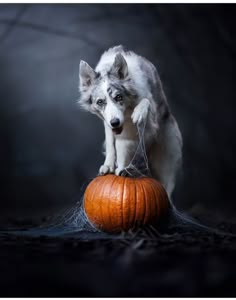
<point x="115" y="123"/>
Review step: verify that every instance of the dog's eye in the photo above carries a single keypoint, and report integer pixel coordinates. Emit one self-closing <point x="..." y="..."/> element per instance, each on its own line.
<point x="118" y="98"/>
<point x="100" y="102"/>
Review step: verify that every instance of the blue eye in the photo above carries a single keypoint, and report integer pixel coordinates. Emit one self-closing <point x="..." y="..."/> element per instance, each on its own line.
<point x="100" y="102"/>
<point x="118" y="98"/>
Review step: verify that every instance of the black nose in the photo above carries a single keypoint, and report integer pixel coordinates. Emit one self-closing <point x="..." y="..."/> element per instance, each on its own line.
<point x="115" y="122"/>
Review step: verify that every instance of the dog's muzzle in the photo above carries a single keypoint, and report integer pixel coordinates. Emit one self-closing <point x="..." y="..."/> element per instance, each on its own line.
<point x="117" y="130"/>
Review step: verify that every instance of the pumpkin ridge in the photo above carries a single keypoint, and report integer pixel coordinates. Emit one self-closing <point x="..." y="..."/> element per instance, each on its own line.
<point x="96" y="183"/>
<point x="93" y="193"/>
<point x="87" y="191"/>
<point x="122" y="203"/>
<point x="129" y="198"/>
<point x="139" y="204"/>
<point x="101" y="200"/>
<point x="144" y="202"/>
<point x="147" y="210"/>
<point x="135" y="206"/>
<point x="149" y="196"/>
<point x="126" y="203"/>
<point x="109" y="202"/>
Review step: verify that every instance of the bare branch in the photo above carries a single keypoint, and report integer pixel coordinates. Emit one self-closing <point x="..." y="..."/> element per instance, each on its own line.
<point x="48" y="30"/>
<point x="13" y="23"/>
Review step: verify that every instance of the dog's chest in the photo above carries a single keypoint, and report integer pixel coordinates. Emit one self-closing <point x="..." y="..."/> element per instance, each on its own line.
<point x="129" y="131"/>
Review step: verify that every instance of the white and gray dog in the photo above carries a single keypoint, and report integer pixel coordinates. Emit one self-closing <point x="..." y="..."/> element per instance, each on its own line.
<point x="125" y="90"/>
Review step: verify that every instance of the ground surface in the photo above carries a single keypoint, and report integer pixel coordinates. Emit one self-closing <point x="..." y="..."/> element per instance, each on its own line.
<point x="180" y="262"/>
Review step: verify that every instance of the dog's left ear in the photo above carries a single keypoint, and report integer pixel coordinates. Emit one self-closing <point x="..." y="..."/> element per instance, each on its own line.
<point x="86" y="74"/>
<point x="120" y="67"/>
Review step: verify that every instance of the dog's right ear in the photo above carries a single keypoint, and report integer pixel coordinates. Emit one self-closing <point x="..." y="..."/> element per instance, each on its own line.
<point x="119" y="67"/>
<point x="86" y="75"/>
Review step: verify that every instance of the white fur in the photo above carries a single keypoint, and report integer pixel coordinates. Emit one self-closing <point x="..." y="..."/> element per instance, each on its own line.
<point x="112" y="111"/>
<point x="163" y="139"/>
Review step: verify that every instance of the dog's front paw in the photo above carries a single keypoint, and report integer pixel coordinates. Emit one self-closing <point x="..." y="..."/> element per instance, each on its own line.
<point x="104" y="169"/>
<point x="122" y="172"/>
<point x="128" y="172"/>
<point x="140" y="112"/>
<point x="118" y="171"/>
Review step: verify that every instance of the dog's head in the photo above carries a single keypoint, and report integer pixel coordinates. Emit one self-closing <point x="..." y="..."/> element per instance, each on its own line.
<point x="108" y="96"/>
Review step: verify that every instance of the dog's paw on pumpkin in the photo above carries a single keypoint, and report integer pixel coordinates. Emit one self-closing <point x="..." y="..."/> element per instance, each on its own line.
<point x="128" y="172"/>
<point x="104" y="169"/>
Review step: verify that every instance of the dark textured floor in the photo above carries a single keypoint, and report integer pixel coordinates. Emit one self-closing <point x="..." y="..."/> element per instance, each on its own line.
<point x="180" y="262"/>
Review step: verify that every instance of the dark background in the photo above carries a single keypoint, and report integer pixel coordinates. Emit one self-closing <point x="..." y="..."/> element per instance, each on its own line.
<point x="48" y="147"/>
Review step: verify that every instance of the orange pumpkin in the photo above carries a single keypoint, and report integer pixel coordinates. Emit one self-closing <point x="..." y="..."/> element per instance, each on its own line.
<point x="115" y="203"/>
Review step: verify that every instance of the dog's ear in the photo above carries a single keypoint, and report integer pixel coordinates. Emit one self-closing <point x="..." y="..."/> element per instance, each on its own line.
<point x="86" y="74"/>
<point x="119" y="67"/>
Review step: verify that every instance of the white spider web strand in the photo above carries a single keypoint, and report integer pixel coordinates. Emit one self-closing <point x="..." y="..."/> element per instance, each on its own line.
<point x="138" y="166"/>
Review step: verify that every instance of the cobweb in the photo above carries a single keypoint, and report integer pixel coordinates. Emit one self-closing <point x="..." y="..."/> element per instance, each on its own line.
<point x="71" y="222"/>
<point x="138" y="166"/>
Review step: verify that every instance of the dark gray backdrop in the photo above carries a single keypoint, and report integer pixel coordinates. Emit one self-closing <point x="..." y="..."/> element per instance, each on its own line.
<point x="49" y="147"/>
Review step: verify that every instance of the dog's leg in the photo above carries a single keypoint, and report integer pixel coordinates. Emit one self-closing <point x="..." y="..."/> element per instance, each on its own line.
<point x="109" y="163"/>
<point x="146" y="111"/>
<point x="124" y="153"/>
<point x="140" y="112"/>
<point x="166" y="156"/>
